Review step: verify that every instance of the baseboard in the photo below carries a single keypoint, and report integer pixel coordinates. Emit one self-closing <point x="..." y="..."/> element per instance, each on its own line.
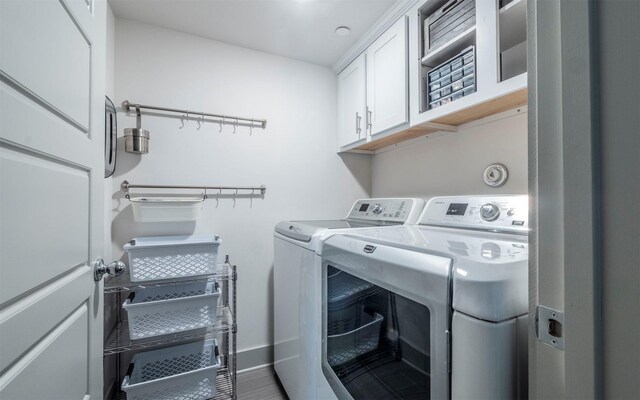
<point x="257" y="367"/>
<point x="254" y="358"/>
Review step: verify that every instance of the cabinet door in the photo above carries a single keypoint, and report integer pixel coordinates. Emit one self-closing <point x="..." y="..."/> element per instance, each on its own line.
<point x="387" y="80"/>
<point x="352" y="102"/>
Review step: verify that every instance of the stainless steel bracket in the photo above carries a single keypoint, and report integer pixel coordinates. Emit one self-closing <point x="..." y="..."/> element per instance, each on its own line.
<point x="550" y="326"/>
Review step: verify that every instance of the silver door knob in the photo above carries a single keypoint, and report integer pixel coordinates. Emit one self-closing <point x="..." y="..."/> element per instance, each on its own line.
<point x="100" y="269"/>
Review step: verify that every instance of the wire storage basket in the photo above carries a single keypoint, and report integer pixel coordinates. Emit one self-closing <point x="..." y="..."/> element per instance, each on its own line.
<point x="351" y="332"/>
<point x="185" y="371"/>
<point x="172" y="257"/>
<point x="156" y="311"/>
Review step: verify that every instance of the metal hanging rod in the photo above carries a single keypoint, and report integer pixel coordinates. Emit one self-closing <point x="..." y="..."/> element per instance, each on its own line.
<point x="125" y="186"/>
<point x="225" y="119"/>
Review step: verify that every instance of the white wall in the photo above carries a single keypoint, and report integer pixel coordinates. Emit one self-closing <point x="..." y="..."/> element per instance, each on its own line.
<point x="453" y="163"/>
<point x="294" y="157"/>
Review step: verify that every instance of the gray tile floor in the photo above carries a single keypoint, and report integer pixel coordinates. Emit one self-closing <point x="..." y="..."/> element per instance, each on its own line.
<point x="259" y="384"/>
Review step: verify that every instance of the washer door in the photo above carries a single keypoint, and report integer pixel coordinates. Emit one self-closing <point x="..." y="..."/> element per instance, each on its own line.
<point x="386" y="317"/>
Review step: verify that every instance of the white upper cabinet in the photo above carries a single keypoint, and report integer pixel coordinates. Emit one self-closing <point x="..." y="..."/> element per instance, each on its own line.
<point x="439" y="65"/>
<point x="352" y="103"/>
<point x="387" y="80"/>
<point x="490" y="38"/>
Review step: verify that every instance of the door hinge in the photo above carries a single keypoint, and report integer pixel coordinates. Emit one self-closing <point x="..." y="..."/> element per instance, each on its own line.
<point x="550" y="326"/>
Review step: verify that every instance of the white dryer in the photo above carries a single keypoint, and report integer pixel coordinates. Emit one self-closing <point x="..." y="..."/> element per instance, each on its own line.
<point x="297" y="294"/>
<point x="431" y="311"/>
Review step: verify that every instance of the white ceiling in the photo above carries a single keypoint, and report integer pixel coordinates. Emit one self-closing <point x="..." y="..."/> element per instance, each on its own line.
<point x="300" y="29"/>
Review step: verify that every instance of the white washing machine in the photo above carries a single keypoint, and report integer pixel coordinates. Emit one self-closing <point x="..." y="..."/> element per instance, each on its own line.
<point x="432" y="311"/>
<point x="296" y="290"/>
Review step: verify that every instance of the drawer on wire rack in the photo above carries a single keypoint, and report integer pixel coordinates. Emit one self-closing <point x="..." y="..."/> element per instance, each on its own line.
<point x="351" y="333"/>
<point x="157" y="311"/>
<point x="172" y="257"/>
<point x="185" y="371"/>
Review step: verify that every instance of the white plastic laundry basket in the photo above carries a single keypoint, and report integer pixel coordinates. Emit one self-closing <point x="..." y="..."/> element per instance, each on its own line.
<point x="171" y="257"/>
<point x="362" y="337"/>
<point x="186" y="372"/>
<point x="157" y="311"/>
<point x="166" y="209"/>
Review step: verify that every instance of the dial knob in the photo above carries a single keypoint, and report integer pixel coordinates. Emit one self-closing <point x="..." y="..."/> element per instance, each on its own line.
<point x="489" y="212"/>
<point x="377" y="208"/>
<point x="490" y="250"/>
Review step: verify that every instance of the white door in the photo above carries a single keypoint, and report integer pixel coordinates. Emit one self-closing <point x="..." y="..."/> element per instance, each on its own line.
<point x="584" y="158"/>
<point x="352" y="103"/>
<point x="51" y="198"/>
<point x="387" y="80"/>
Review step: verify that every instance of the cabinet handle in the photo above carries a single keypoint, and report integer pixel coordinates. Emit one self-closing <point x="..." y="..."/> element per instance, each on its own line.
<point x="358" y="119"/>
<point x="369" y="119"/>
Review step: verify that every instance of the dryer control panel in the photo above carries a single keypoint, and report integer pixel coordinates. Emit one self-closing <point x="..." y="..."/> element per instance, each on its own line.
<point x="390" y="210"/>
<point x="507" y="213"/>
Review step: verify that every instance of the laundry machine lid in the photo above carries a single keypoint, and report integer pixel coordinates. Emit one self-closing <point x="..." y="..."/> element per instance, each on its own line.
<point x="419" y="276"/>
<point x="489" y="270"/>
<point x="304" y="230"/>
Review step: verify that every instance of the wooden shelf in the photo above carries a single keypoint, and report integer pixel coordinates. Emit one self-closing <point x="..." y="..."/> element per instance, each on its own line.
<point x="490" y="107"/>
<point x="398" y="137"/>
<point x="448" y="122"/>
<point x="451" y="48"/>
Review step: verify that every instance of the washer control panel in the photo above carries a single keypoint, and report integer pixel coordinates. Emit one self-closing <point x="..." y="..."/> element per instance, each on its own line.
<point x="508" y="213"/>
<point x="390" y="210"/>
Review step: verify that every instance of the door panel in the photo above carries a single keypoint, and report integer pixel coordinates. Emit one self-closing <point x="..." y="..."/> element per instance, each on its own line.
<point x="584" y="186"/>
<point x="387" y="79"/>
<point x="81" y="11"/>
<point x="44" y="51"/>
<point x="52" y="67"/>
<point x="48" y="306"/>
<point x="27" y="181"/>
<point x="24" y="119"/>
<point x="351" y="103"/>
<point x="56" y="367"/>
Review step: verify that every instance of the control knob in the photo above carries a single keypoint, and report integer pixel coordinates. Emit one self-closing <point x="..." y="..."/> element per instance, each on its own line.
<point x="490" y="250"/>
<point x="489" y="212"/>
<point x="377" y="208"/>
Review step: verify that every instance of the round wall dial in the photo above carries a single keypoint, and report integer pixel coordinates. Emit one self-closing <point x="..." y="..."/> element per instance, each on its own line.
<point x="495" y="175"/>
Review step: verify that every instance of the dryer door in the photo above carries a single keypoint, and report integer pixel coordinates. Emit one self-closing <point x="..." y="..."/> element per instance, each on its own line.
<point x="386" y="317"/>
